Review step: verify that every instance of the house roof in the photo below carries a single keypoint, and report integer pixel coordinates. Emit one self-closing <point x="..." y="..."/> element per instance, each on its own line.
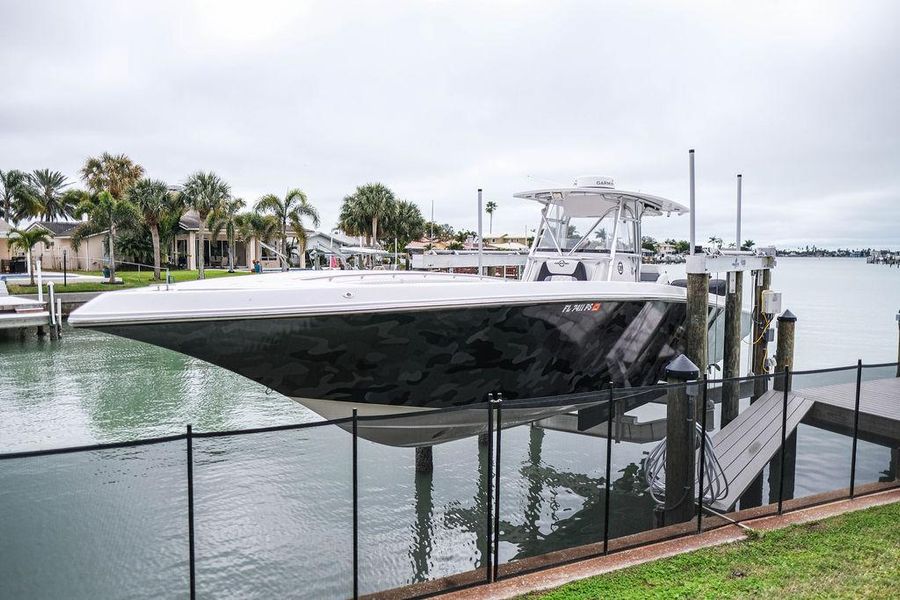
<point x="56" y="228"/>
<point x="190" y="220"/>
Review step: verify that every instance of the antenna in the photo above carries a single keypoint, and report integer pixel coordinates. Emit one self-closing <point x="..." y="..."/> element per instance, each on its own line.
<point x="693" y="205"/>
<point x="480" y="241"/>
<point x="738" y="233"/>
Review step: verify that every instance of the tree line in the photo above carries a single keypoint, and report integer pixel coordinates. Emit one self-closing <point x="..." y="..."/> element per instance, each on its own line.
<point x="139" y="214"/>
<point x="683" y="246"/>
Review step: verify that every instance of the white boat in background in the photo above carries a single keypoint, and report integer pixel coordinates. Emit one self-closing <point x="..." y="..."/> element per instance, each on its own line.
<point x="389" y="342"/>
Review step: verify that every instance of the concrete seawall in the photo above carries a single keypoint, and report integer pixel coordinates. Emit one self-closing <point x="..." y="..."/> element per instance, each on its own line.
<point x="70" y="300"/>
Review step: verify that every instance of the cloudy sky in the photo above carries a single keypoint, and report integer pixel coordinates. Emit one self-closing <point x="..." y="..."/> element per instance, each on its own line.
<point x="436" y="99"/>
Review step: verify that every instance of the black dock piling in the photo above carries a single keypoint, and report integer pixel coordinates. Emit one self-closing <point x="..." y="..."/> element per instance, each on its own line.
<point x="424" y="459"/>
<point x="680" y="441"/>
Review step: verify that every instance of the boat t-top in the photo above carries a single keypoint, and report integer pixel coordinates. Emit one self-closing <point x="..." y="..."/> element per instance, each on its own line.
<point x="404" y="342"/>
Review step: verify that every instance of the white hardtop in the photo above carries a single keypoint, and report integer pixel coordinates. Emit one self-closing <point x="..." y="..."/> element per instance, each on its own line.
<point x="593" y="196"/>
<point x="591" y="231"/>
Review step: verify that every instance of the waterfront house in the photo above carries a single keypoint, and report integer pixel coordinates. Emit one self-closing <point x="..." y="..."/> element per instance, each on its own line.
<point x="507" y="241"/>
<point x="185" y="247"/>
<point x="5" y="253"/>
<point x="59" y="250"/>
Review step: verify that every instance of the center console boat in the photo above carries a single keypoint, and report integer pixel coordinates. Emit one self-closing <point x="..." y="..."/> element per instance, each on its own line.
<point x="585" y="313"/>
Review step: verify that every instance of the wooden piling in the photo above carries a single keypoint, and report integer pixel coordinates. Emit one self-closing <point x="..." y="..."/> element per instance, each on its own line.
<point x="898" y="343"/>
<point x="680" y="442"/>
<point x="697" y="335"/>
<point x="784" y="359"/>
<point x="759" y="353"/>
<point x="41" y="331"/>
<point x="731" y="366"/>
<point x="761" y="281"/>
<point x="784" y="350"/>
<point x="424" y="459"/>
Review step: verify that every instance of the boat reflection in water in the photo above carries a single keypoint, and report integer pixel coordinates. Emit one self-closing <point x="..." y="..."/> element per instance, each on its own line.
<point x="544" y="508"/>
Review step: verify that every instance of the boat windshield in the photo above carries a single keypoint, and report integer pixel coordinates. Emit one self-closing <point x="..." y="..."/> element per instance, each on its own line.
<point x="587" y="234"/>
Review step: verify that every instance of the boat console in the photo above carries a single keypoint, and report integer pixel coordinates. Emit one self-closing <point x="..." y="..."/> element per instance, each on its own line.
<point x="591" y="231"/>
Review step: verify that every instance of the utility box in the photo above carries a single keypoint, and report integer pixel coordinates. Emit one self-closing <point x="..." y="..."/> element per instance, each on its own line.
<point x="771" y="302"/>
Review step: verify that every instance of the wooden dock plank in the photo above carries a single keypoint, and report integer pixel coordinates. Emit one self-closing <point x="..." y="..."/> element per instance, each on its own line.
<point x="748" y="443"/>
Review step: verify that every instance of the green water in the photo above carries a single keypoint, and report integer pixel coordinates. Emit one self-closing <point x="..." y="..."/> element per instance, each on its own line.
<point x="273" y="510"/>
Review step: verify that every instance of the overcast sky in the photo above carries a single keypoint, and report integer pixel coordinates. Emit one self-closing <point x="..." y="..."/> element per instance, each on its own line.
<point x="436" y="99"/>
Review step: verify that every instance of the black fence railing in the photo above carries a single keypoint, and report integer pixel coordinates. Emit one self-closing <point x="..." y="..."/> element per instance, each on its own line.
<point x="612" y="403"/>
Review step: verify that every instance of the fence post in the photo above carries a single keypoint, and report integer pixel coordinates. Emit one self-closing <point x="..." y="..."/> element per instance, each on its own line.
<point x="497" y="489"/>
<point x="609" y="435"/>
<point x="190" y="475"/>
<point x="681" y="440"/>
<point x="855" y="429"/>
<point x="784" y="408"/>
<point x="489" y="542"/>
<point x="355" y="507"/>
<point x="702" y="453"/>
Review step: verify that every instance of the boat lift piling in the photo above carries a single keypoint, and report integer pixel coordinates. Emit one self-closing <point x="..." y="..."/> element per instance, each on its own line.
<point x="696" y="336"/>
<point x="731" y="363"/>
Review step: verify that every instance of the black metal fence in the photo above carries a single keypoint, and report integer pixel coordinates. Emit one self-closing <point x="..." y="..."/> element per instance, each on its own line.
<point x="602" y="414"/>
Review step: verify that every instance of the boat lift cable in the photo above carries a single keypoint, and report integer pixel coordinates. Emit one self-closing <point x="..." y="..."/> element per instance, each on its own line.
<point x="715" y="482"/>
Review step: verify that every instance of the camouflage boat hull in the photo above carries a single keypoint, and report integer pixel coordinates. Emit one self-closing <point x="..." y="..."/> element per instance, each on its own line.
<point x="383" y="362"/>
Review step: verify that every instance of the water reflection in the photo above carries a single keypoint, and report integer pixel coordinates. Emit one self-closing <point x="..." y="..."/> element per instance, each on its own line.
<point x="537" y="521"/>
<point x="423" y="528"/>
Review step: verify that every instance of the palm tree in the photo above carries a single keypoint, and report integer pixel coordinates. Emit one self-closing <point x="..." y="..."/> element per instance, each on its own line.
<point x="205" y="193"/>
<point x="261" y="228"/>
<point x="404" y="223"/>
<point x="18" y="197"/>
<point x="105" y="212"/>
<point x="26" y="240"/>
<point x="153" y="201"/>
<point x="226" y="218"/>
<point x="290" y="210"/>
<point x="489" y="208"/>
<point x="748" y="245"/>
<point x="353" y="220"/>
<point x="49" y="191"/>
<point x="373" y="202"/>
<point x="114" y="173"/>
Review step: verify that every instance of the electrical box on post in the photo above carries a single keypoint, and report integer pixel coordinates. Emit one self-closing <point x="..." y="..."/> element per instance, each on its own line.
<point x="771" y="302"/>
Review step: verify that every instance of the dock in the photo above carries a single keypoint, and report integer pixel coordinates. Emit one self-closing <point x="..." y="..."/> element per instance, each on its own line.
<point x="17" y="312"/>
<point x="879" y="410"/>
<point x="746" y="445"/>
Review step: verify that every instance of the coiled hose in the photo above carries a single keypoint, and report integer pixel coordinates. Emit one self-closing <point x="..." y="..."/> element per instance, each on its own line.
<point x="715" y="483"/>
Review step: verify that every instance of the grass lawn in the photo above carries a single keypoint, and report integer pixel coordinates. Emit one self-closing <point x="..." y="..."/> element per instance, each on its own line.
<point x="856" y="555"/>
<point x="130" y="279"/>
